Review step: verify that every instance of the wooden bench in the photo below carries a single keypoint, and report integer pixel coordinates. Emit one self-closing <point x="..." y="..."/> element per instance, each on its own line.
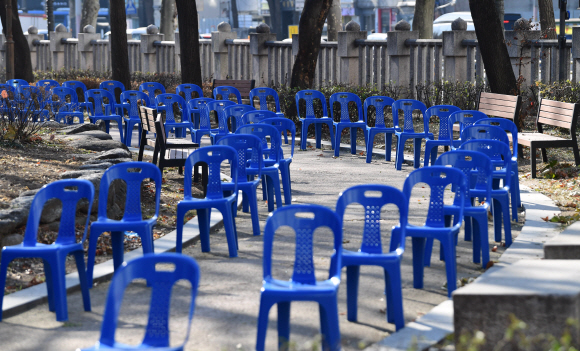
<point x="244" y="86"/>
<point x="557" y="114"/>
<point x="499" y="105"/>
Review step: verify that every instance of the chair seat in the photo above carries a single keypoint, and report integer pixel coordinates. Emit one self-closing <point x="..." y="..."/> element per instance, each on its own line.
<point x="382" y="129"/>
<point x="39" y="249"/>
<point x="181" y="143"/>
<point x="414" y="135"/>
<point x="357" y="124"/>
<point x="429" y="232"/>
<point x="355" y="258"/>
<point x="299" y="292"/>
<point x="317" y="120"/>
<point x="112" y="224"/>
<point x="526" y="139"/>
<point x="122" y="347"/>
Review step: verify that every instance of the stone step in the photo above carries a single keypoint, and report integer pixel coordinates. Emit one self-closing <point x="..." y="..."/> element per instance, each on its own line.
<point x="564" y="246"/>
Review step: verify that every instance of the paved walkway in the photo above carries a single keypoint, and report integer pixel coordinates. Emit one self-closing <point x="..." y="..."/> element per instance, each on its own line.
<point x="228" y="300"/>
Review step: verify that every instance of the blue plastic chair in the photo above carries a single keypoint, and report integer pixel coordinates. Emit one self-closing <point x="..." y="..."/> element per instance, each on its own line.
<point x="224" y="93"/>
<point x="406" y="130"/>
<point x="501" y="203"/>
<point x="262" y="94"/>
<point x="32" y="101"/>
<point x="133" y="174"/>
<point x="104" y="111"/>
<point x="379" y="103"/>
<point x="213" y="156"/>
<point x="5" y="105"/>
<point x="344" y="100"/>
<point x="234" y="115"/>
<point x="257" y="116"/>
<point x="130" y="100"/>
<point x="199" y="111"/>
<point x="465" y="118"/>
<point x="76" y="85"/>
<point x="218" y="107"/>
<point x="115" y="88"/>
<point x="445" y="134"/>
<point x="70" y="192"/>
<point x="151" y="88"/>
<point x="161" y="282"/>
<point x="303" y="285"/>
<point x="17" y="82"/>
<point x="371" y="250"/>
<point x="165" y="103"/>
<point x="475" y="217"/>
<point x="284" y="125"/>
<point x="310" y="117"/>
<point x="246" y="144"/>
<point x="270" y="171"/>
<point x="438" y="178"/>
<point x="188" y="91"/>
<point x="47" y="84"/>
<point x="66" y="111"/>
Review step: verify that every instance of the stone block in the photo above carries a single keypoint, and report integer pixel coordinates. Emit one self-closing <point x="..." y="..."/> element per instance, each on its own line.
<point x="565" y="246"/>
<point x="346" y="46"/>
<point x="452" y="42"/>
<point x="147" y="41"/>
<point x="85" y="40"/>
<point x="576" y="42"/>
<point x="542" y="293"/>
<point x="55" y="40"/>
<point x="396" y="43"/>
<point x="218" y="41"/>
<point x="257" y="41"/>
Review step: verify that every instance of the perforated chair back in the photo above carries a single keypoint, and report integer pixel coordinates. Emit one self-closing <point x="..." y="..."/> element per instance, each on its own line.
<point x="380" y="103"/>
<point x="213" y="156"/>
<point x="236" y="112"/>
<point x="76" y="85"/>
<point x="262" y="94"/>
<point x="507" y="125"/>
<point x="189" y="91"/>
<point x="465" y="118"/>
<point x="165" y="103"/>
<point x="63" y="93"/>
<point x="152" y="89"/>
<point x="309" y="96"/>
<point x="47" y="84"/>
<point x="266" y="133"/>
<point x="224" y="93"/>
<point x="443" y="112"/>
<point x="257" y="116"/>
<point x="99" y="104"/>
<point x="344" y="100"/>
<point x="495" y="150"/>
<point x="17" y="82"/>
<point x="245" y="144"/>
<point x="408" y="106"/>
<point x="114" y="87"/>
<point x="133" y="97"/>
<point x="218" y="106"/>
<point x="484" y="132"/>
<point x="200" y="106"/>
<point x="283" y="125"/>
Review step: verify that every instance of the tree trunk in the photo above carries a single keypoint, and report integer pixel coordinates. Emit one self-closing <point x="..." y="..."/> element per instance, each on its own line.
<point x="334" y="20"/>
<point x="146" y="13"/>
<point x="22" y="61"/>
<point x="310" y="29"/>
<point x="494" y="54"/>
<point x="500" y="14"/>
<point x="189" y="42"/>
<point x="89" y="13"/>
<point x="276" y="18"/>
<point x="547" y="21"/>
<point x="50" y="16"/>
<point x="118" y="42"/>
<point x="423" y="18"/>
<point x="167" y="10"/>
<point x="234" y="5"/>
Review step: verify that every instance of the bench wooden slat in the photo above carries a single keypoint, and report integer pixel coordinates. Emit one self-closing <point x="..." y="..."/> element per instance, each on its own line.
<point x="496" y="113"/>
<point x="555" y="117"/>
<point x="244" y="86"/>
<point x="507" y="98"/>
<point x="554" y="122"/>
<point x="557" y="110"/>
<point x="558" y="104"/>
<point x="508" y="104"/>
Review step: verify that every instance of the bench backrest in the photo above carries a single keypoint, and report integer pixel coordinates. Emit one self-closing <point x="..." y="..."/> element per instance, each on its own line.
<point x="148" y="117"/>
<point x="558" y="114"/>
<point x="244" y="86"/>
<point x="500" y="105"/>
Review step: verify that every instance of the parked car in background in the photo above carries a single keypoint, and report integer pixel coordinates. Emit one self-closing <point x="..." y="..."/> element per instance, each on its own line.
<point x="443" y="23"/>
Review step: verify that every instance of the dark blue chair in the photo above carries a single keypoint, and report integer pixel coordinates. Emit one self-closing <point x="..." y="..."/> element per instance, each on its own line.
<point x="224" y="93"/>
<point x="161" y="282"/>
<point x="66" y="106"/>
<point x="133" y="174"/>
<point x="344" y="100"/>
<point x="284" y="125"/>
<point x="213" y="156"/>
<point x="152" y="89"/>
<point x="102" y="110"/>
<point x="445" y="138"/>
<point x="80" y="88"/>
<point x="17" y="82"/>
<point x="199" y="112"/>
<point x="438" y="178"/>
<point x="70" y="192"/>
<point x="165" y="103"/>
<point x="262" y="94"/>
<point x="310" y="117"/>
<point x="189" y="91"/>
<point x="257" y="116"/>
<point x="371" y="250"/>
<point x="218" y="107"/>
<point x="47" y="84"/>
<point x="246" y="144"/>
<point x="379" y="103"/>
<point x="115" y="88"/>
<point x="32" y="102"/>
<point x="130" y="100"/>
<point x="303" y="286"/>
<point x="406" y="130"/>
<point x="234" y="115"/>
<point x="465" y="118"/>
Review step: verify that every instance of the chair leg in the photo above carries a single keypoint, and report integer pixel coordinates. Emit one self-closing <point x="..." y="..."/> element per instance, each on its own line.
<point x="353" y="140"/>
<point x="428" y="252"/>
<point x="303" y="135"/>
<point x="286" y="183"/>
<point x="337" y="140"/>
<point x="533" y="160"/>
<point x="203" y="218"/>
<point x="49" y="285"/>
<point x="352" y="279"/>
<point x="318" y="135"/>
<point x="180" y="215"/>
<point x="80" y="261"/>
<point x="544" y="155"/>
<point x="329" y="325"/>
<point x="394" y="290"/>
<point x="147" y="242"/>
<point x="418" y="260"/>
<point x="3" y="272"/>
<point x="576" y="154"/>
<point x="331" y="131"/>
<point x="506" y="221"/>
<point x="265" y="305"/>
<point x="370" y="142"/>
<point x="429" y="153"/>
<point x="228" y="218"/>
<point x="252" y="200"/>
<point x="283" y="325"/>
<point x="57" y="267"/>
<point x="117" y="243"/>
<point x="417" y="152"/>
<point x="400" y="152"/>
<point x="388" y="146"/>
<point x="450" y="264"/>
<point x="91" y="253"/>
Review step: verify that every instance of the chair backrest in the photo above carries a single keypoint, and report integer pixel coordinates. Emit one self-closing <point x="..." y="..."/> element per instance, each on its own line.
<point x="76" y="85"/>
<point x="408" y="106"/>
<point x="468" y="161"/>
<point x="161" y="282"/>
<point x="558" y="114"/>
<point x="132" y="97"/>
<point x="17" y="82"/>
<point x="500" y="105"/>
<point x="47" y="84"/>
<point x="148" y="116"/>
<point x="283" y="125"/>
<point x="165" y="103"/>
<point x="438" y="178"/>
<point x="99" y="105"/>
<point x="114" y="87"/>
<point x="69" y="192"/>
<point x="32" y="96"/>
<point x="236" y="112"/>
<point x="304" y="220"/>
<point x="495" y="150"/>
<point x="257" y="116"/>
<point x="188" y="91"/>
<point x="62" y="93"/>
<point x="262" y="95"/>
<point x="484" y="132"/>
<point x="224" y="93"/>
<point x="443" y="112"/>
<point x="243" y="85"/>
<point x="152" y="89"/>
<point x="266" y="133"/>
<point x="465" y="118"/>
<point x="9" y="90"/>
<point x="218" y="106"/>
<point x="245" y="144"/>
<point x="344" y="100"/>
<point x="213" y="156"/>
<point x="507" y="125"/>
<point x="371" y="236"/>
<point x="309" y="96"/>
<point x="380" y="103"/>
<point x="199" y="105"/>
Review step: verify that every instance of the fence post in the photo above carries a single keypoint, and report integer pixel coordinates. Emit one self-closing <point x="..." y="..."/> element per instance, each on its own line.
<point x="520" y="55"/>
<point x="148" y="50"/>
<point x="455" y="53"/>
<point x="85" y="47"/>
<point x="56" y="47"/>
<point x="31" y="37"/>
<point x="177" y="53"/>
<point x="220" y="49"/>
<point x="400" y="54"/>
<point x="259" y="53"/>
<point x="348" y="53"/>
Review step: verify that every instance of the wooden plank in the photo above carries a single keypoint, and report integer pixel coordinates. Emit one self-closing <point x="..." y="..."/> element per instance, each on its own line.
<point x="504" y="97"/>
<point x="556" y="117"/>
<point x="498" y="102"/>
<point x="558" y="104"/>
<point x="553" y="122"/>
<point x="495" y="113"/>
<point x="557" y="110"/>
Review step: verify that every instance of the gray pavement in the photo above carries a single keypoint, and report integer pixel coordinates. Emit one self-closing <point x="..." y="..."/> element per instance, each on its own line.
<point x="228" y="300"/>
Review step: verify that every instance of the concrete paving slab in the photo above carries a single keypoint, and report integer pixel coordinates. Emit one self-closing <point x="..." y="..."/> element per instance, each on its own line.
<point x="564" y="246"/>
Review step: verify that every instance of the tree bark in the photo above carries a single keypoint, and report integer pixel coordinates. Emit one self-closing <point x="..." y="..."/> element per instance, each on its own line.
<point x="189" y="42"/>
<point x="166" y="25"/>
<point x="146" y="13"/>
<point x="547" y="21"/>
<point x="423" y="18"/>
<point x="494" y="54"/>
<point x="276" y="18"/>
<point x="22" y="61"/>
<point x="234" y="5"/>
<point x="118" y="42"/>
<point x="500" y="14"/>
<point x="310" y="29"/>
<point x="334" y="20"/>
<point x="89" y="13"/>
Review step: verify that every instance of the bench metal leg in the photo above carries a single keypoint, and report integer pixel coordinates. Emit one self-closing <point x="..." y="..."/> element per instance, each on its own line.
<point x="533" y="160"/>
<point x="544" y="155"/>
